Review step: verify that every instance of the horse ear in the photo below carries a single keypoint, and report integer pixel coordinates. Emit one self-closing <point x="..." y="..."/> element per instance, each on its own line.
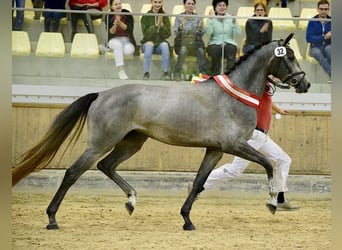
<point x="288" y="39"/>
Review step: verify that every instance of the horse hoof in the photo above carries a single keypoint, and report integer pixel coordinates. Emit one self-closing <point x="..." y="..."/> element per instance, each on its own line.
<point x="52" y="226"/>
<point x="272" y="208"/>
<point x="189" y="227"/>
<point x="129" y="208"/>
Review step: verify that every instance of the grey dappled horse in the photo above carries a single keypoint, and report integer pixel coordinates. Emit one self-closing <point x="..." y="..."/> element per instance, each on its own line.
<point x="121" y="119"/>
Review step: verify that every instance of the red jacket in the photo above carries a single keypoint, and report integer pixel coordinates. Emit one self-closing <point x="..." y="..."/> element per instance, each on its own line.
<point x="102" y="3"/>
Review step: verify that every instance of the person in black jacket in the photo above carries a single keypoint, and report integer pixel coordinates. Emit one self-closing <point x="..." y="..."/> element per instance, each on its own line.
<point x="258" y="31"/>
<point x="52" y="19"/>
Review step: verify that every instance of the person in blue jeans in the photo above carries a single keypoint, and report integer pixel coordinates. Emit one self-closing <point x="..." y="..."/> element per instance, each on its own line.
<point x="189" y="38"/>
<point x="52" y="19"/>
<point x="17" y="23"/>
<point x="318" y="34"/>
<point x="156" y="29"/>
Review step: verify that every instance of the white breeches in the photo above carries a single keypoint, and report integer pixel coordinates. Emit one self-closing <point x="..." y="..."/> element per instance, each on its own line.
<point x="265" y="145"/>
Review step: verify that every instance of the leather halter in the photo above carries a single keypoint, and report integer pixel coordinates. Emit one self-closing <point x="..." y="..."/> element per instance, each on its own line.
<point x="289" y="79"/>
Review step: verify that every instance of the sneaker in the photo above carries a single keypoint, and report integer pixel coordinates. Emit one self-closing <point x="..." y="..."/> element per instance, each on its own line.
<point x="166" y="76"/>
<point x="177" y="77"/>
<point x="122" y="75"/>
<point x="103" y="49"/>
<point x="146" y="76"/>
<point x="286" y="206"/>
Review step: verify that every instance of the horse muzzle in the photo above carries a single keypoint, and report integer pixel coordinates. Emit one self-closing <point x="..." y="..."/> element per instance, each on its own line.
<point x="299" y="82"/>
<point x="302" y="86"/>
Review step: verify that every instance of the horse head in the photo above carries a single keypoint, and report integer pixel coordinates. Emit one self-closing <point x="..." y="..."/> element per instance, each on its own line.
<point x="285" y="66"/>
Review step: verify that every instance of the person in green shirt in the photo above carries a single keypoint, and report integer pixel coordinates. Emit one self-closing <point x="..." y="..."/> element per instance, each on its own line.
<point x="156" y="29"/>
<point x="221" y="28"/>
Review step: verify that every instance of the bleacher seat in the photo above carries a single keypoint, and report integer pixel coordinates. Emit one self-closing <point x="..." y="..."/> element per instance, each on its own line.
<point x="306" y="13"/>
<point x="177" y="9"/>
<point x="50" y="44"/>
<point x="126" y="6"/>
<point x="84" y="45"/>
<point x="145" y="8"/>
<point x="206" y="13"/>
<point x="110" y="56"/>
<point x="242" y="44"/>
<point x="244" y="11"/>
<point x="21" y="45"/>
<point x="281" y="24"/>
<point x="295" y="47"/>
<point x="309" y="58"/>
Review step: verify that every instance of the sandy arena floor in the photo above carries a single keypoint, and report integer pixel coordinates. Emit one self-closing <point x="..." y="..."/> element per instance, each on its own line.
<point x="98" y="220"/>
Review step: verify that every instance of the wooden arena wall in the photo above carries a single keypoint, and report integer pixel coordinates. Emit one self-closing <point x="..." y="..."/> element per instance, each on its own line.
<point x="305" y="136"/>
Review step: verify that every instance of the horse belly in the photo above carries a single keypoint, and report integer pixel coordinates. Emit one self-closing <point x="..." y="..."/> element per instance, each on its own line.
<point x="188" y="136"/>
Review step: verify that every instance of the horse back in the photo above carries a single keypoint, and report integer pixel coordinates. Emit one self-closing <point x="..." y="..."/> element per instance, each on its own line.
<point x="181" y="115"/>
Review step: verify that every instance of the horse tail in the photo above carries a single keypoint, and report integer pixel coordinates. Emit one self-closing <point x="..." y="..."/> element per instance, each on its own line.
<point x="42" y="153"/>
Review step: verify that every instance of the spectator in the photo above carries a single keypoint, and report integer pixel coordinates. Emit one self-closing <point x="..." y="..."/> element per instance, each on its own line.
<point x="87" y="18"/>
<point x="37" y="4"/>
<point x="221" y="31"/>
<point x="283" y="3"/>
<point x="189" y="32"/>
<point x="120" y="35"/>
<point x="261" y="141"/>
<point x="258" y="31"/>
<point x="318" y="34"/>
<point x="17" y="22"/>
<point x="156" y="29"/>
<point x="265" y="2"/>
<point x="52" y="19"/>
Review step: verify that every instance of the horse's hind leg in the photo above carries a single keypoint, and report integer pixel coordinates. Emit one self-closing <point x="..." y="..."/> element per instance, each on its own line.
<point x="83" y="163"/>
<point x="131" y="144"/>
<point x="210" y="160"/>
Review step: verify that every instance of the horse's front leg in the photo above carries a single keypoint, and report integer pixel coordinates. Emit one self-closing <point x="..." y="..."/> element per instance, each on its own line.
<point x="210" y="160"/>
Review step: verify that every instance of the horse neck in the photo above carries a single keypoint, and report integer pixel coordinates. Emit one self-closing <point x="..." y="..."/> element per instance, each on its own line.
<point x="252" y="72"/>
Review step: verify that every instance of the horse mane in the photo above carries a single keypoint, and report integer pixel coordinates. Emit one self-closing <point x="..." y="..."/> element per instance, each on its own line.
<point x="248" y="54"/>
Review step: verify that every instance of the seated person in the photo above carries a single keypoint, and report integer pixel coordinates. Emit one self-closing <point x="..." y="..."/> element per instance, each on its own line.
<point x="258" y="31"/>
<point x="318" y="34"/>
<point x="17" y="22"/>
<point x="87" y="18"/>
<point x="37" y="4"/>
<point x="156" y="29"/>
<point x="120" y="35"/>
<point x="189" y="32"/>
<point x="221" y="33"/>
<point x="52" y="19"/>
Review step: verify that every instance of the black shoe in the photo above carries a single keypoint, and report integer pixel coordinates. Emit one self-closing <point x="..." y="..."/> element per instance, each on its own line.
<point x="166" y="76"/>
<point x="177" y="77"/>
<point x="146" y="76"/>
